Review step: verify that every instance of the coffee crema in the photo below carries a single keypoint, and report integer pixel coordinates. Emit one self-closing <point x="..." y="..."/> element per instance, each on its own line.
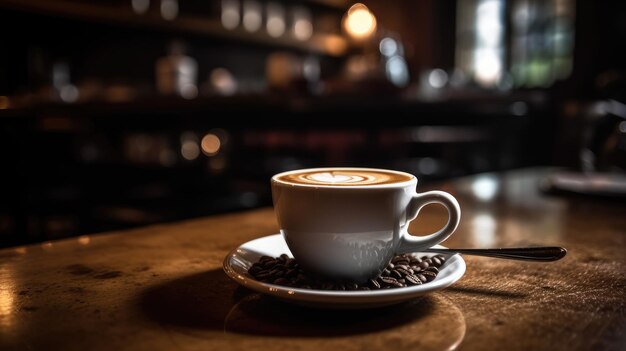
<point x="344" y="177"/>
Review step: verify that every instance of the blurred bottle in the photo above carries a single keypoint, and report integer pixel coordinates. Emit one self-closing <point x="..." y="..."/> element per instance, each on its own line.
<point x="177" y="73"/>
<point x="63" y="89"/>
<point x="604" y="140"/>
<point x="287" y="72"/>
<point x="284" y="72"/>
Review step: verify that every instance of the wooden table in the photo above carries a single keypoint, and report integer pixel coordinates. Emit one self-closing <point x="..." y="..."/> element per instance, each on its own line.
<point x="162" y="287"/>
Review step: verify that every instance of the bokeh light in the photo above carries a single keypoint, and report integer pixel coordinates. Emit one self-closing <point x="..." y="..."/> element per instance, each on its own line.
<point x="211" y="144"/>
<point x="359" y="22"/>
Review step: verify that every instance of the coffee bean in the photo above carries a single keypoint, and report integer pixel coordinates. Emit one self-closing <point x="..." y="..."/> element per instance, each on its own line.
<point x="390" y="281"/>
<point x="277" y="272"/>
<point x="432" y="269"/>
<point x="352" y="286"/>
<point x="430" y="276"/>
<point x="413" y="279"/>
<point x="402" y="271"/>
<point x="400" y="260"/>
<point x="254" y="269"/>
<point x="262" y="275"/>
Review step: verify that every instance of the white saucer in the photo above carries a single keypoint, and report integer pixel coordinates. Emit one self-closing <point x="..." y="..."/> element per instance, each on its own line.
<point x="238" y="261"/>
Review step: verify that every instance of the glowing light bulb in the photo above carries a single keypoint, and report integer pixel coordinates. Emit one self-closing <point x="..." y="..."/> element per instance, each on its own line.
<point x="359" y="22"/>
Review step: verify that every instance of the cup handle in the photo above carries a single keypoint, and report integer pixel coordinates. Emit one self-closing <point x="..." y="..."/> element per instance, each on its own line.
<point x="410" y="243"/>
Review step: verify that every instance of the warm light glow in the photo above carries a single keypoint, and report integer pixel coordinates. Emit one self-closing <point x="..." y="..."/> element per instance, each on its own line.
<point x="189" y="150"/>
<point x="217" y="164"/>
<point x="252" y="19"/>
<point x="223" y="82"/>
<point x="7" y="299"/>
<point x="169" y="9"/>
<point x="211" y="144"/>
<point x="84" y="240"/>
<point x="167" y="157"/>
<point x="359" y="22"/>
<point x="140" y="6"/>
<point x="357" y="66"/>
<point x="302" y="26"/>
<point x="334" y="44"/>
<point x="230" y="14"/>
<point x="69" y="93"/>
<point x="302" y="29"/>
<point x="188" y="91"/>
<point x="275" y="24"/>
<point x="4" y="102"/>
<point x="47" y="245"/>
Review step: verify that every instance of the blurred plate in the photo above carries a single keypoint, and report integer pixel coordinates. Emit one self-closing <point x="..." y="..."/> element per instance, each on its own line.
<point x="598" y="184"/>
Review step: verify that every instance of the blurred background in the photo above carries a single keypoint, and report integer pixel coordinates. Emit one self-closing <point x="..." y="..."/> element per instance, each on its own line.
<point x="119" y="113"/>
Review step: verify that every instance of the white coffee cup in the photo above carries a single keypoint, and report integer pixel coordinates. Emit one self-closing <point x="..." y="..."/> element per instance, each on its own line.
<point x="341" y="226"/>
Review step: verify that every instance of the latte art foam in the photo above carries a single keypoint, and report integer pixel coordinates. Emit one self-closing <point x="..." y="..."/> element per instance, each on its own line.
<point x="344" y="177"/>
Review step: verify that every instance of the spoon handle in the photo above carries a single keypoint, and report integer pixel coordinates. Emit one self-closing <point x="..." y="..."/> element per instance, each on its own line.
<point x="545" y="254"/>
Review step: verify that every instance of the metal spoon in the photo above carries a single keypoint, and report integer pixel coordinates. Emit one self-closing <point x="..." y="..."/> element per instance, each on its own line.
<point x="545" y="254"/>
